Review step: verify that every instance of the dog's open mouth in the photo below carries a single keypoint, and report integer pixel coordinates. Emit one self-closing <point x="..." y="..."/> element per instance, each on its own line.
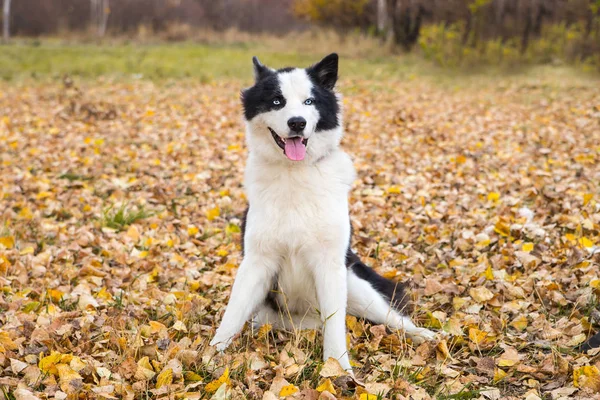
<point x="294" y="148"/>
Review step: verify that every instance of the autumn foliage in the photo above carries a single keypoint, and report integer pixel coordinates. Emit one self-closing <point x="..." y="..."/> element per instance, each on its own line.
<point x="120" y="239"/>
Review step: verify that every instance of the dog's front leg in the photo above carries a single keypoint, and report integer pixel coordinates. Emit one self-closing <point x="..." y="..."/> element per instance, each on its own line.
<point x="253" y="281"/>
<point x="332" y="293"/>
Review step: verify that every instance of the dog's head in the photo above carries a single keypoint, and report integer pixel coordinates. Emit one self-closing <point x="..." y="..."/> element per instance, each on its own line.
<point x="293" y="113"/>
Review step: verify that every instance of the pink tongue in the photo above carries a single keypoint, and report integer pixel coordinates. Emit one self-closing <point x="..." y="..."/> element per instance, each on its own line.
<point x="295" y="150"/>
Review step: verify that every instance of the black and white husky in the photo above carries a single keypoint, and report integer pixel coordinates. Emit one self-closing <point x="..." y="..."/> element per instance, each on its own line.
<point x="298" y="270"/>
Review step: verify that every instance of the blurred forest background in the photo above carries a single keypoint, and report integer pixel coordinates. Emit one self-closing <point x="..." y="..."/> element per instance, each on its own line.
<point x="449" y="32"/>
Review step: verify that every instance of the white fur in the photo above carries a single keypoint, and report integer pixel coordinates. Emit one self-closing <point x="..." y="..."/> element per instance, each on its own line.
<point x="298" y="229"/>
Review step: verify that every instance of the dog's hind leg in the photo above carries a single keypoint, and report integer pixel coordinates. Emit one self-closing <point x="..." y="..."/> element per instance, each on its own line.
<point x="365" y="301"/>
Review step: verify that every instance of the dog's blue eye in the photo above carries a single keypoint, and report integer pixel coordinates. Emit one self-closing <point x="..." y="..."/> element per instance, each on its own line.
<point x="308" y="102"/>
<point x="277" y="102"/>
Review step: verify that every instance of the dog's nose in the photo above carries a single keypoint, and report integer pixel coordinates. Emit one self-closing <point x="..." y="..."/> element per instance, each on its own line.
<point x="297" y="124"/>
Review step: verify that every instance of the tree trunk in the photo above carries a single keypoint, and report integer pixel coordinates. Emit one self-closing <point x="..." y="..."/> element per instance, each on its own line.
<point x="391" y="19"/>
<point x="6" y="21"/>
<point x="381" y="16"/>
<point x="104" y="12"/>
<point x="527" y="30"/>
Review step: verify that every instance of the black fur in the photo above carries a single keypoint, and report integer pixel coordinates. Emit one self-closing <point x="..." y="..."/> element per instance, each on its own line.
<point x="259" y="98"/>
<point x="260" y="71"/>
<point x="593" y="343"/>
<point x="244" y="221"/>
<point x="324" y="75"/>
<point x="325" y="72"/>
<point x="328" y="107"/>
<point x="394" y="292"/>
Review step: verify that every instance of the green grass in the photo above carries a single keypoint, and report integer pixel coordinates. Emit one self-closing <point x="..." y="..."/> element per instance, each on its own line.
<point x="123" y="216"/>
<point x="157" y="62"/>
<point x="53" y="59"/>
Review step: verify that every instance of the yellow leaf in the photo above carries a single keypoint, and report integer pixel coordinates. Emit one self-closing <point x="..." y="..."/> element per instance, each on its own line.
<point x="368" y="396"/>
<point x="27" y="250"/>
<point x="232" y="228"/>
<point x="519" y="323"/>
<point x="587" y="197"/>
<point x="585" y="242"/>
<point x="55" y="295"/>
<point x="461" y="159"/>
<point x="587" y="377"/>
<point x="25" y="213"/>
<point x="156" y="326"/>
<point x="43" y="195"/>
<point x="595" y="283"/>
<point x="433" y="322"/>
<point x="31" y="306"/>
<point x="192" y="230"/>
<point x="7" y="241"/>
<point x="394" y="190"/>
<point x="354" y="326"/>
<point x="509" y="358"/>
<point x="527" y="247"/>
<point x="48" y="364"/>
<point x="164" y="378"/>
<point x="493" y="196"/>
<point x="502" y="229"/>
<point x="489" y="274"/>
<point x="65" y="373"/>
<point x="68" y="378"/>
<point x="326" y="385"/>
<point x="192" y="377"/>
<point x="4" y="264"/>
<point x="222" y="252"/>
<point x="264" y="330"/>
<point x="288" y="390"/>
<point x="6" y="342"/>
<point x="104" y="295"/>
<point x="477" y="336"/>
<point x="499" y="375"/>
<point x="213" y="213"/>
<point x="144" y="362"/>
<point x="216" y="384"/>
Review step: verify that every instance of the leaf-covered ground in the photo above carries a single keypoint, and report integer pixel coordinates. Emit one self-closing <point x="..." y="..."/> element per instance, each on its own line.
<point x="120" y="210"/>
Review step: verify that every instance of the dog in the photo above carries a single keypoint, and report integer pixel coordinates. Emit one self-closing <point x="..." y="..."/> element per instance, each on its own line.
<point x="298" y="269"/>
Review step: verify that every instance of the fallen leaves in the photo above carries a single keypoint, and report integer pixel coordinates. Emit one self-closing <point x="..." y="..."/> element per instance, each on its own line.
<point x="120" y="238"/>
<point x="217" y="383"/>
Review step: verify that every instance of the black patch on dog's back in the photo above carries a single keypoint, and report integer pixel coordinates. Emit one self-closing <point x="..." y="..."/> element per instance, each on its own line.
<point x="394" y="292"/>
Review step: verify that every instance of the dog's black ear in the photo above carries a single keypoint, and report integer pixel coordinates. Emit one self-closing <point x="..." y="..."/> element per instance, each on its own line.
<point x="260" y="70"/>
<point x="325" y="72"/>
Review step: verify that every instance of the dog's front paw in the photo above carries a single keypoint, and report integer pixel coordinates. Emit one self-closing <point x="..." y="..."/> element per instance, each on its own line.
<point x="220" y="343"/>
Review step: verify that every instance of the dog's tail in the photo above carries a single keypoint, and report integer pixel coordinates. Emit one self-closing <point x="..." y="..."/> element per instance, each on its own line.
<point x="394" y="292"/>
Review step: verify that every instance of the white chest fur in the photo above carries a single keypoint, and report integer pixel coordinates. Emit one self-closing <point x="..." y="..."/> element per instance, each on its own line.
<point x="298" y="207"/>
